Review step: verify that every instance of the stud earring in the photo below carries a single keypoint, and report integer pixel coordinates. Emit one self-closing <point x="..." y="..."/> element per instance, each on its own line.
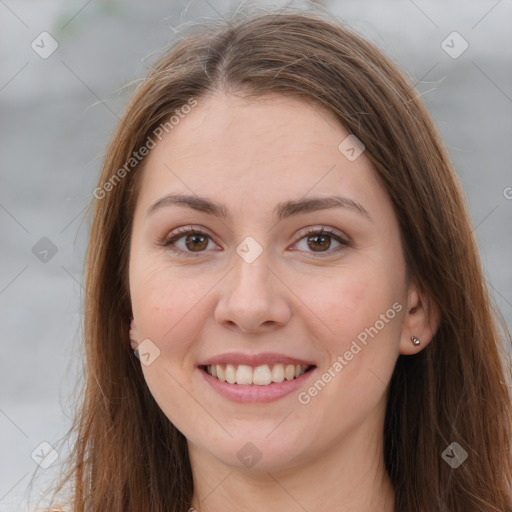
<point x="415" y="340"/>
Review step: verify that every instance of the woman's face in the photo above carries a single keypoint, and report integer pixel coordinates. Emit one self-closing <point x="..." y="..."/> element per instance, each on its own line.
<point x="258" y="295"/>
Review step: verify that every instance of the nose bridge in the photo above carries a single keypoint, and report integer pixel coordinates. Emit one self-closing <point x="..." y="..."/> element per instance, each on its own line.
<point x="250" y="282"/>
<point x="252" y="296"/>
<point x="251" y="275"/>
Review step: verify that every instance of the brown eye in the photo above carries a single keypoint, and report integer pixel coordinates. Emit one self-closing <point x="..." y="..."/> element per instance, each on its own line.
<point x="318" y="241"/>
<point x="194" y="241"/>
<point x="321" y="242"/>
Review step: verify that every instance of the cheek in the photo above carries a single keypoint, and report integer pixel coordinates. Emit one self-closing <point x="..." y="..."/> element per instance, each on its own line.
<point x="353" y="301"/>
<point x="164" y="303"/>
<point x="166" y="314"/>
<point x="167" y="310"/>
<point x="364" y="312"/>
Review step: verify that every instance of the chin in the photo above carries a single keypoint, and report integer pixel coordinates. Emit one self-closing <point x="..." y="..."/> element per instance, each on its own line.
<point x="256" y="453"/>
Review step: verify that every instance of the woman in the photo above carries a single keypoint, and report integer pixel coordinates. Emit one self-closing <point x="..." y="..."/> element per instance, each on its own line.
<point x="286" y="307"/>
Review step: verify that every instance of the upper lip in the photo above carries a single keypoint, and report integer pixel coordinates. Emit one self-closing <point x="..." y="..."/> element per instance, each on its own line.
<point x="269" y="358"/>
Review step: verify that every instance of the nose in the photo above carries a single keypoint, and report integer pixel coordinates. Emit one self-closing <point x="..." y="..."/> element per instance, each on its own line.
<point x="253" y="298"/>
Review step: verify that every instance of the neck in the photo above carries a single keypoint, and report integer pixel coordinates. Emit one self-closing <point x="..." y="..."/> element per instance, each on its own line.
<point x="349" y="476"/>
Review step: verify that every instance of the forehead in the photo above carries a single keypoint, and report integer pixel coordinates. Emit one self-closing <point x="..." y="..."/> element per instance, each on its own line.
<point x="265" y="150"/>
<point x="233" y="127"/>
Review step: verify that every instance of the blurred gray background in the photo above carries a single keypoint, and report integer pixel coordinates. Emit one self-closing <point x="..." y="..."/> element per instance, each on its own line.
<point x="59" y="109"/>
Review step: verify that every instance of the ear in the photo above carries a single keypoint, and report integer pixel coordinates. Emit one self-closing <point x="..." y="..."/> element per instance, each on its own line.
<point x="422" y="319"/>
<point x="134" y="338"/>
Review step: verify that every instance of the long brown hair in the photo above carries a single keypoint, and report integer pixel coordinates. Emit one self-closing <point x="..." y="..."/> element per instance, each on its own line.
<point x="127" y="456"/>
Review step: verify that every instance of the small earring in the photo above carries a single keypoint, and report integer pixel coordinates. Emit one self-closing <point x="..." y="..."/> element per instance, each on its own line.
<point x="415" y="340"/>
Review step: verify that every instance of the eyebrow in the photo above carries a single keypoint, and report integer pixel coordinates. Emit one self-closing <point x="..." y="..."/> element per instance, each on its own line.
<point x="281" y="211"/>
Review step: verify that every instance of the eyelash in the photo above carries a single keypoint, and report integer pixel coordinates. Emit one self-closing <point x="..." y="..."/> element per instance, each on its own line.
<point x="182" y="232"/>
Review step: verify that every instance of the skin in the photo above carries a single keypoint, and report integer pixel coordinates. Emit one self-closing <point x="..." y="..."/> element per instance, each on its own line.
<point x="302" y="299"/>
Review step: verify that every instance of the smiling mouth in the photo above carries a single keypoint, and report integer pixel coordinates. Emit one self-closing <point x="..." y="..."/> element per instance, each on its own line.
<point x="262" y="375"/>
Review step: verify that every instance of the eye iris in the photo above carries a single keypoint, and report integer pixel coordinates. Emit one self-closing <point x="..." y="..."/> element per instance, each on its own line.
<point x="316" y="237"/>
<point x="195" y="237"/>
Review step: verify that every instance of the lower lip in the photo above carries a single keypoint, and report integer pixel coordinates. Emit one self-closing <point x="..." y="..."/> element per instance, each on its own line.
<point x="252" y="393"/>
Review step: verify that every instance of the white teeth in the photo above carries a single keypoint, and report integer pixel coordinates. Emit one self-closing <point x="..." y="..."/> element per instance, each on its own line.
<point x="244" y="374"/>
<point x="221" y="375"/>
<point x="278" y="373"/>
<point x="289" y="372"/>
<point x="262" y="375"/>
<point x="230" y="374"/>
